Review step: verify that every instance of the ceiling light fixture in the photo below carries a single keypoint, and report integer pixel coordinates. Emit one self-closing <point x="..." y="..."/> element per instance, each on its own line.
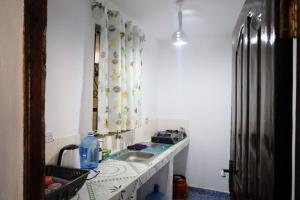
<point x="179" y="38"/>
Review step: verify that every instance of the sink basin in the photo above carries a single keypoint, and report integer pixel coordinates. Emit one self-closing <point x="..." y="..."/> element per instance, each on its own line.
<point x="136" y="156"/>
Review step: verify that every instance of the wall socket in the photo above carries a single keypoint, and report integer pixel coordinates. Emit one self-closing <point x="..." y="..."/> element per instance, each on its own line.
<point x="49" y="137"/>
<point x="147" y="120"/>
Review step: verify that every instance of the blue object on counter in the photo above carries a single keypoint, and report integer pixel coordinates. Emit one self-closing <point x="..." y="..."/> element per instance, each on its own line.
<point x="158" y="148"/>
<point x="89" y="152"/>
<point x="156" y="195"/>
<point x="137" y="147"/>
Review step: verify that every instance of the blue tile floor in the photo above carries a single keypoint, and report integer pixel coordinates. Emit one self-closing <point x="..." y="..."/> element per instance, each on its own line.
<point x="202" y="194"/>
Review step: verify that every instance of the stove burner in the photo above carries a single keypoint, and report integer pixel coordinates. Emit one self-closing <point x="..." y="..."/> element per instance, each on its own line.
<point x="172" y="131"/>
<point x="168" y="136"/>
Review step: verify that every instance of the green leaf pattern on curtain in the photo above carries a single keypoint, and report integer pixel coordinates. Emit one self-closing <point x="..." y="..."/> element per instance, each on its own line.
<point x="120" y="63"/>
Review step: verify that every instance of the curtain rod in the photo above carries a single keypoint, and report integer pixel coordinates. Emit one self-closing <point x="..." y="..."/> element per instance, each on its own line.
<point x="101" y="6"/>
<point x="97" y="4"/>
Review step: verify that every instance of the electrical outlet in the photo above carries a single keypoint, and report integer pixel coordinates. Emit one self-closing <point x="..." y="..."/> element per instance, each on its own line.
<point x="49" y="137"/>
<point x="147" y="120"/>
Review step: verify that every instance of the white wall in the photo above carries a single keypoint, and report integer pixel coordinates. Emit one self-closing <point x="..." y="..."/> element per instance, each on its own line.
<point x="194" y="83"/>
<point x="69" y="57"/>
<point x="11" y="100"/>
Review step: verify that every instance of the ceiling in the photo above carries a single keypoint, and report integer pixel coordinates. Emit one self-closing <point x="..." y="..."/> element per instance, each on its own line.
<point x="200" y="17"/>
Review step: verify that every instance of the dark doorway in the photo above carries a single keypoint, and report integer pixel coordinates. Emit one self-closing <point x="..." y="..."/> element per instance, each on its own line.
<point x="35" y="13"/>
<point x="261" y="129"/>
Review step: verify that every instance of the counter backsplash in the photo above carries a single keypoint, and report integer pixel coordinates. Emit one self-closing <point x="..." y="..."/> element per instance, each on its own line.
<point x="115" y="144"/>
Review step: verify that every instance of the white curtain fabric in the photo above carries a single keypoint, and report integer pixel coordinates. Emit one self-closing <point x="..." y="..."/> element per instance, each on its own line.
<point x="120" y="62"/>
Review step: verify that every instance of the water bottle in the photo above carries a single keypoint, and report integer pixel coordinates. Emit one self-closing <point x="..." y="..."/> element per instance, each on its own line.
<point x="89" y="152"/>
<point x="156" y="195"/>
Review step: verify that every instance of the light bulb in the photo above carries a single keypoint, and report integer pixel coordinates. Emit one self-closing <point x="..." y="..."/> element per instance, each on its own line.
<point x="179" y="38"/>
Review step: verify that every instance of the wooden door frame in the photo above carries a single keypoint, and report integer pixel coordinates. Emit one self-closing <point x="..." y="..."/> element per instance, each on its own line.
<point x="35" y="22"/>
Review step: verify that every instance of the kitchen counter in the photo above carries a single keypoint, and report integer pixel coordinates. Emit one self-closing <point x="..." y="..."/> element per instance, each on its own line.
<point x="121" y="180"/>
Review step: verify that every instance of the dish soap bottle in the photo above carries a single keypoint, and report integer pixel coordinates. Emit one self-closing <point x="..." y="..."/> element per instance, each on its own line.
<point x="89" y="152"/>
<point x="156" y="195"/>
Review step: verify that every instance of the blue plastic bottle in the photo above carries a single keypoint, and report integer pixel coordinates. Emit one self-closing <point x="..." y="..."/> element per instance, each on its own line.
<point x="89" y="152"/>
<point x="156" y="195"/>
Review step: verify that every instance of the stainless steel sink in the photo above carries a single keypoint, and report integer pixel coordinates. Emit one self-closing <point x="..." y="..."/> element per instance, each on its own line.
<point x="136" y="156"/>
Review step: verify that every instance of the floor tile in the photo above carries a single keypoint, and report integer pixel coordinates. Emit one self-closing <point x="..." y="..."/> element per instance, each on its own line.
<point x="202" y="194"/>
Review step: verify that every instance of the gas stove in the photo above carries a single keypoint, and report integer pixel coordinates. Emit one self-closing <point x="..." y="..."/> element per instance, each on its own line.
<point x="168" y="136"/>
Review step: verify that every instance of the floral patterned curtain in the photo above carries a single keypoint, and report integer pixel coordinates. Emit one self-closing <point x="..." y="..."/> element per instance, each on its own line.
<point x="120" y="62"/>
